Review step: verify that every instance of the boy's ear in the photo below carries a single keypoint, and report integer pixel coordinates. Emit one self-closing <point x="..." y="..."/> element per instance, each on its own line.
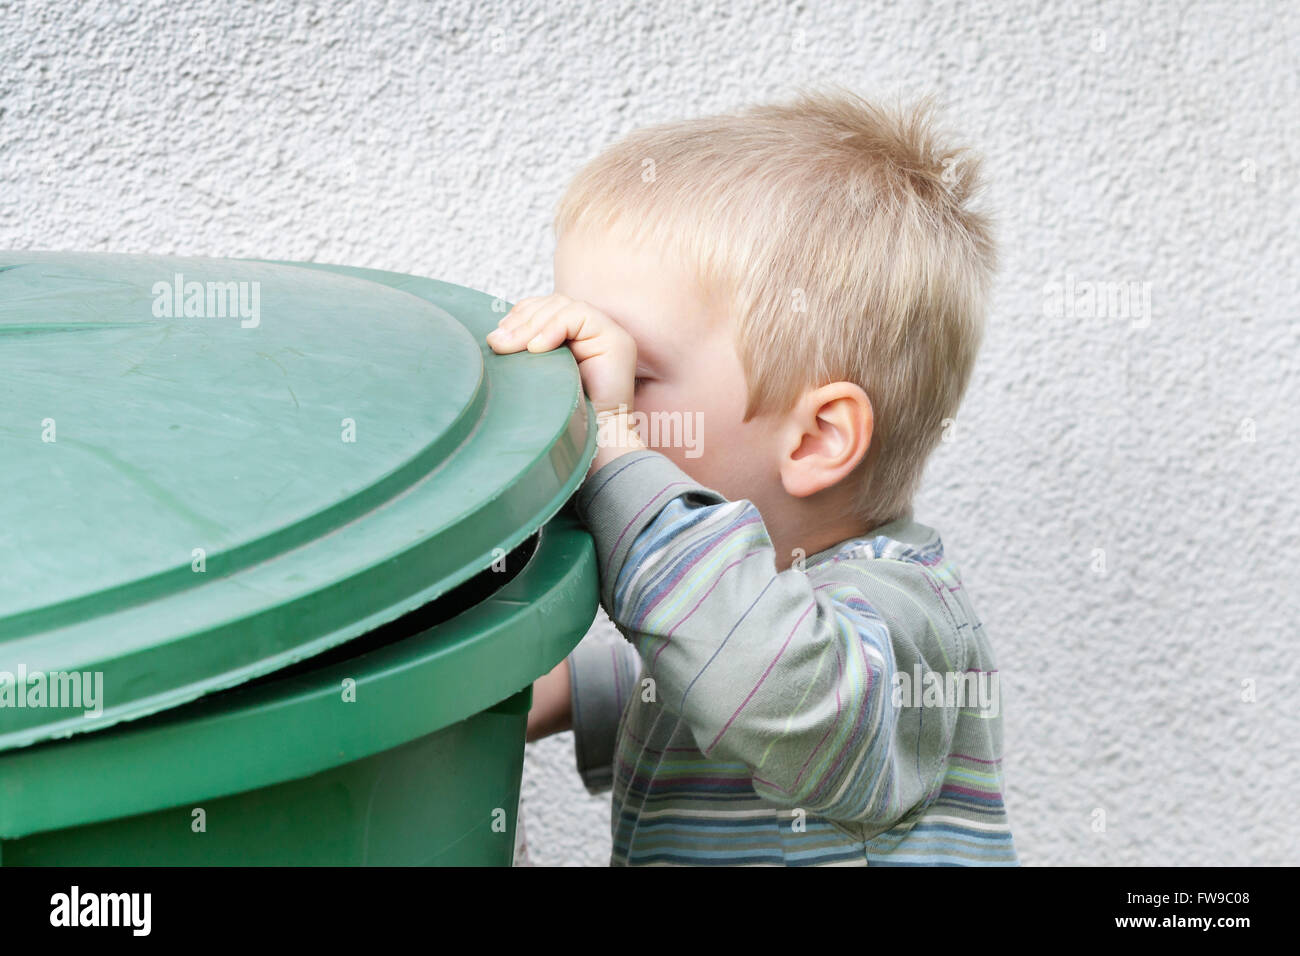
<point x="825" y="436"/>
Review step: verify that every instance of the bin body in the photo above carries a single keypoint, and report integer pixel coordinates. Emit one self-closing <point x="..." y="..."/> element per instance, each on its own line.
<point x="342" y="684"/>
<point x="447" y="799"/>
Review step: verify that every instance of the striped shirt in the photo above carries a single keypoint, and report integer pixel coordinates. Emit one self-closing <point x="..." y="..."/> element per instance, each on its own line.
<point x="842" y="713"/>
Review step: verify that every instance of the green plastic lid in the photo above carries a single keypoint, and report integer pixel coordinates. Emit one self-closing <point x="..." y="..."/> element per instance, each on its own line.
<point x="215" y="468"/>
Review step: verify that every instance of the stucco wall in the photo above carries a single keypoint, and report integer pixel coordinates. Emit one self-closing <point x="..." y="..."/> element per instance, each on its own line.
<point x="1121" y="490"/>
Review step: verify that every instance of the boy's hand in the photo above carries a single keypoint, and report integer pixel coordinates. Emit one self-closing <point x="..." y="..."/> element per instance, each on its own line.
<point x="605" y="352"/>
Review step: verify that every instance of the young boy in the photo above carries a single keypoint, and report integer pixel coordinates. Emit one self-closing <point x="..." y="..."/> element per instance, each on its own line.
<point x="804" y="681"/>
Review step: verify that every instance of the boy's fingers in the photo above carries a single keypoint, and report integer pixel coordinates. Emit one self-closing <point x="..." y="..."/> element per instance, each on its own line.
<point x="585" y="322"/>
<point x="502" y="340"/>
<point x="528" y="309"/>
<point x="514" y="329"/>
<point x="541" y="323"/>
<point x="522" y="311"/>
<point x="520" y="332"/>
<point x="523" y="322"/>
<point x="562" y="323"/>
<point x="586" y="331"/>
<point x="545" y="311"/>
<point x="548" y="335"/>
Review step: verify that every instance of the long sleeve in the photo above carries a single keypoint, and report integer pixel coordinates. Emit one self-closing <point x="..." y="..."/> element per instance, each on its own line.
<point x="791" y="676"/>
<point x="603" y="670"/>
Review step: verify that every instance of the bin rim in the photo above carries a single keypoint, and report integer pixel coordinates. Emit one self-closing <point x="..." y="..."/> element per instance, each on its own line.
<point x="272" y="732"/>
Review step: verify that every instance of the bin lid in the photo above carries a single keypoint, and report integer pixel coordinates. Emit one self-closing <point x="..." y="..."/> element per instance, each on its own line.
<point x="215" y="468"/>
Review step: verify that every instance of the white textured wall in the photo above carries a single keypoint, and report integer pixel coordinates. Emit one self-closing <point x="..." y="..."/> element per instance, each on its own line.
<point x="1128" y="142"/>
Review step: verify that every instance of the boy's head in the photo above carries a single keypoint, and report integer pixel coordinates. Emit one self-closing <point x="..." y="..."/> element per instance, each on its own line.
<point x="808" y="280"/>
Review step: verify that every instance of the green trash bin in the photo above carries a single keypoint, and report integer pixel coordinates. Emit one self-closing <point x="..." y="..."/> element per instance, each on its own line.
<point x="284" y="547"/>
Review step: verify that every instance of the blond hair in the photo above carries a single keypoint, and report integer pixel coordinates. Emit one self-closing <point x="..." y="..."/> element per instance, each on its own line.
<point x="840" y="236"/>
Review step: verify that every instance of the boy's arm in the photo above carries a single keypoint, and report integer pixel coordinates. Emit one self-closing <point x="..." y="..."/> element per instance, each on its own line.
<point x="792" y="679"/>
<point x="586" y="693"/>
<point x="602" y="676"/>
